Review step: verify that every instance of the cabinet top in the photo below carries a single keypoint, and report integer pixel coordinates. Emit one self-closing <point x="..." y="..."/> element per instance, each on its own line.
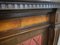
<point x="30" y="0"/>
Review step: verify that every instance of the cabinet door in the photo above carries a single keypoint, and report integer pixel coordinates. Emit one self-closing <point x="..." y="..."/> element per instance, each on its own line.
<point x="27" y="37"/>
<point x="57" y="16"/>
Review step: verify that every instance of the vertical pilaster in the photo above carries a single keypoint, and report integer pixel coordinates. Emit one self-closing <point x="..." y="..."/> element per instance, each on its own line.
<point x="51" y="27"/>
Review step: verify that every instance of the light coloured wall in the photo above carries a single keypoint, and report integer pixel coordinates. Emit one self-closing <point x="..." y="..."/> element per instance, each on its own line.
<point x="58" y="41"/>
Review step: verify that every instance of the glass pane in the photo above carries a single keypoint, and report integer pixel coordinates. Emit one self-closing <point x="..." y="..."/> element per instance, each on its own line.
<point x="37" y="40"/>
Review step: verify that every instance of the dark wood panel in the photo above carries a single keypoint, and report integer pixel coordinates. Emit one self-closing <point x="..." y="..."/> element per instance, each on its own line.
<point x="7" y="14"/>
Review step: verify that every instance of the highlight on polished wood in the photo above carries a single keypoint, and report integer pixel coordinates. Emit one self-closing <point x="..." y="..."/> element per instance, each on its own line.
<point x="27" y="21"/>
<point x="22" y="22"/>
